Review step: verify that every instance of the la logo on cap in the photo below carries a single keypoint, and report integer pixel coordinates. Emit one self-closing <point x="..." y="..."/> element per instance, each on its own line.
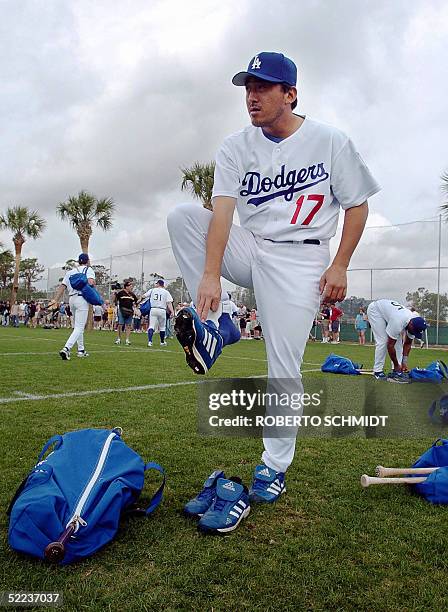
<point x="256" y="65"/>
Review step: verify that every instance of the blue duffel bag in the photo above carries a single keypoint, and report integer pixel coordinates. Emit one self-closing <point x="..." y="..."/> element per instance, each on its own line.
<point x="145" y="307"/>
<point x="79" y="282"/>
<point x="340" y="365"/>
<point x="435" y="487"/>
<point x="70" y="504"/>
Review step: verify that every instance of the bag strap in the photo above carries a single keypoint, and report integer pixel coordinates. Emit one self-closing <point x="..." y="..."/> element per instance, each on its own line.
<point x="157" y="497"/>
<point x="57" y="438"/>
<point x="443" y="368"/>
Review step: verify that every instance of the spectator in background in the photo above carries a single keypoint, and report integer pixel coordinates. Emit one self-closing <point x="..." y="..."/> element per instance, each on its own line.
<point x="97" y="316"/>
<point x="325" y="321"/>
<point x="22" y="309"/>
<point x="111" y="316"/>
<point x="32" y="314"/>
<point x="105" y="315"/>
<point x="15" y="314"/>
<point x="335" y="322"/>
<point x="361" y="325"/>
<point x="125" y="300"/>
<point x="137" y="320"/>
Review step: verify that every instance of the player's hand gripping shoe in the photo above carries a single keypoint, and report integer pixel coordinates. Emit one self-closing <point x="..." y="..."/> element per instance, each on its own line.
<point x="203" y="500"/>
<point x="230" y="505"/>
<point x="201" y="342"/>
<point x="267" y="485"/>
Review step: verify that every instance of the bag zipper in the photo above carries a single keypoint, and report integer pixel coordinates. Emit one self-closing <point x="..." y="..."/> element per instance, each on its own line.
<point x="76" y="517"/>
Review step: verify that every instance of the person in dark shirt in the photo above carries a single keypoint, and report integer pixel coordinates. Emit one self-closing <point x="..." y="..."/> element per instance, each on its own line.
<point x="125" y="299"/>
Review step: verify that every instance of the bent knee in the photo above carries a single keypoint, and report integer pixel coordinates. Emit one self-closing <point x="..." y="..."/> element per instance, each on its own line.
<point x="182" y="213"/>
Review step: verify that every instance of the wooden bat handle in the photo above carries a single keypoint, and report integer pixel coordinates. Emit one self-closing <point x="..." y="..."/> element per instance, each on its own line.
<point x="55" y="551"/>
<point x="382" y="472"/>
<point x="366" y="481"/>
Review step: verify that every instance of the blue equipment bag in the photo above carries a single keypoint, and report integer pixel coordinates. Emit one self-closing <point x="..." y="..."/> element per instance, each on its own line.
<point x="340" y="365"/>
<point x="82" y="487"/>
<point x="91" y="295"/>
<point x="79" y="282"/>
<point x="145" y="307"/>
<point x="435" y="372"/>
<point x="435" y="487"/>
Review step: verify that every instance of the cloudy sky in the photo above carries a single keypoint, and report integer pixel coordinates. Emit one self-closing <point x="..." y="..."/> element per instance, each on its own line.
<point x="114" y="97"/>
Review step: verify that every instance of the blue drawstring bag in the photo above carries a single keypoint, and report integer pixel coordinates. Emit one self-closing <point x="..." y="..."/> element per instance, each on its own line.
<point x="145" y="307"/>
<point x="340" y="365"/>
<point x="81" y="488"/>
<point x="79" y="282"/>
<point x="91" y="295"/>
<point x="435" y="372"/>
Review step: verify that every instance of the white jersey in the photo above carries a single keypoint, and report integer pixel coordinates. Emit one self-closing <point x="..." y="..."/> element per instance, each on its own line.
<point x="292" y="190"/>
<point x="159" y="297"/>
<point x="79" y="269"/>
<point x="396" y="316"/>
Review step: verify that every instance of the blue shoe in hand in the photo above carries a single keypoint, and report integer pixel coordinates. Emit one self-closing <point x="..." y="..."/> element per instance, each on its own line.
<point x="229" y="507"/>
<point x="226" y="327"/>
<point x="202" y="342"/>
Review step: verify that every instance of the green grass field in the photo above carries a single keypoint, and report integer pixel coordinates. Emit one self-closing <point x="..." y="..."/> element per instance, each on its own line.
<point x="326" y="545"/>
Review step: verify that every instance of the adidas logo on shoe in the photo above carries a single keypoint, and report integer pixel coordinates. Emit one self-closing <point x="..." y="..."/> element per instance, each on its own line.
<point x="229" y="485"/>
<point x="264" y="472"/>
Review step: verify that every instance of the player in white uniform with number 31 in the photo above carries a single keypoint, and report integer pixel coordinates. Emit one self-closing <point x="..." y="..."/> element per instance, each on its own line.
<point x="288" y="177"/>
<point x="161" y="300"/>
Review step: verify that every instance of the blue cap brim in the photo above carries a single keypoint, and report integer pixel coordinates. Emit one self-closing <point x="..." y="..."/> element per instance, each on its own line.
<point x="241" y="77"/>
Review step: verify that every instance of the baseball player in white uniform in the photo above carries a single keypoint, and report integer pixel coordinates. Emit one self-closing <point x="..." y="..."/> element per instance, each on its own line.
<point x="389" y="320"/>
<point x="161" y="300"/>
<point x="78" y="306"/>
<point x="288" y="176"/>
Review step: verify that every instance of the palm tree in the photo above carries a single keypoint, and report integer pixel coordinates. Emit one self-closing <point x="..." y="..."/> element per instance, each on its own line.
<point x="85" y="210"/>
<point x="444" y="207"/>
<point x="23" y="223"/>
<point x="198" y="180"/>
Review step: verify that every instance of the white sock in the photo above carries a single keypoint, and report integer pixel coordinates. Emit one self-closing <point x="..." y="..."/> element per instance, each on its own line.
<point x="214" y="316"/>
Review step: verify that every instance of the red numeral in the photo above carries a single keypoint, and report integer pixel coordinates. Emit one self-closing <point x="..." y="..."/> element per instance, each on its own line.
<point x="314" y="198"/>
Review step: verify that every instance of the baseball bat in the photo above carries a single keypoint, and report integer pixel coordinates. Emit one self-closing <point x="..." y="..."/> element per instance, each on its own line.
<point x="382" y="471"/>
<point x="366" y="481"/>
<point x="55" y="551"/>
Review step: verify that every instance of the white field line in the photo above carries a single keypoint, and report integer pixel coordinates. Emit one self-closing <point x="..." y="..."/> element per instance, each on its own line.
<point x="144" y="350"/>
<point x="28" y="397"/>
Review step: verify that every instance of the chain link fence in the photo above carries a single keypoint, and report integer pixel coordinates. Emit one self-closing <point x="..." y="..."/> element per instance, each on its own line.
<point x="380" y="268"/>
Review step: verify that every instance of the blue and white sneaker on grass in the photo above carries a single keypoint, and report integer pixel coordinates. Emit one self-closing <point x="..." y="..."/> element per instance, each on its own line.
<point x="379" y="376"/>
<point x="267" y="485"/>
<point x="398" y="377"/>
<point x="201" y="342"/>
<point x="203" y="500"/>
<point x="229" y="507"/>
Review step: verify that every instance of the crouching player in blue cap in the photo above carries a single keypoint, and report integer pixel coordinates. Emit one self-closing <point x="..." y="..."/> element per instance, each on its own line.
<point x="389" y="320"/>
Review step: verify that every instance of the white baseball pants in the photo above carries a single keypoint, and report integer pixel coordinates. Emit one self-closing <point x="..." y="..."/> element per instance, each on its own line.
<point x="80" y="311"/>
<point x="157" y="316"/>
<point x="379" y="324"/>
<point x="285" y="279"/>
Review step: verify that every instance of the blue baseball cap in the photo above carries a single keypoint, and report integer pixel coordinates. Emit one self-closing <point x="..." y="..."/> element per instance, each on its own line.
<point x="83" y="258"/>
<point x="418" y="327"/>
<point x="160" y="282"/>
<point x="269" y="66"/>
